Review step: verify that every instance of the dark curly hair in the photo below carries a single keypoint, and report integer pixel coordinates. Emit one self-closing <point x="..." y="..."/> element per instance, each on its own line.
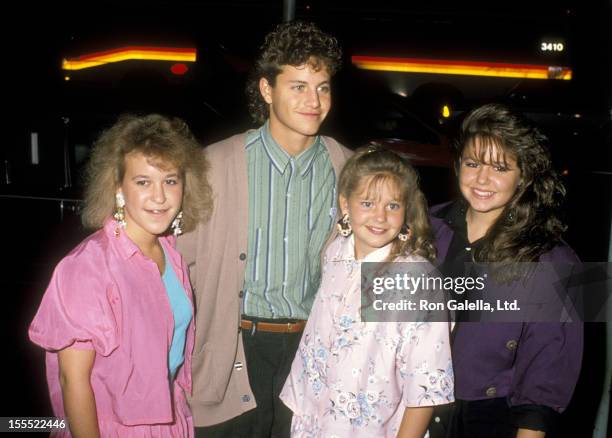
<point x="529" y="225"/>
<point x="385" y="165"/>
<point x="295" y="43"/>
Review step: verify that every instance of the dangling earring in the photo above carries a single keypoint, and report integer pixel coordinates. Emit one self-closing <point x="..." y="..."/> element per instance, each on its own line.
<point x="344" y="226"/>
<point x="404" y="233"/>
<point x="119" y="214"/>
<point x="177" y="224"/>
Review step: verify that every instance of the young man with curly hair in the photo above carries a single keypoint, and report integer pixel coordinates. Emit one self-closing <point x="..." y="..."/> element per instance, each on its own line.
<point x="255" y="264"/>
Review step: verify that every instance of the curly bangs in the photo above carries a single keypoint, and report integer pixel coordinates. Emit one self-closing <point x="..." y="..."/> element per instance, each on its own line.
<point x="295" y="43"/>
<point x="167" y="142"/>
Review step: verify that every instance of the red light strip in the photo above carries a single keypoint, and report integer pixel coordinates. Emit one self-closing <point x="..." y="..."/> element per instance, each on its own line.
<point x="148" y="53"/>
<point x="469" y="68"/>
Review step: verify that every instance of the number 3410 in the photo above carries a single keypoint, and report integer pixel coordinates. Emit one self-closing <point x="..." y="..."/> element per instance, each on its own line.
<point x="552" y="47"/>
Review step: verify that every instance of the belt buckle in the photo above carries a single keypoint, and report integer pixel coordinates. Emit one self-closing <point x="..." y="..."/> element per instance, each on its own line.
<point x="253" y="327"/>
<point x="288" y="327"/>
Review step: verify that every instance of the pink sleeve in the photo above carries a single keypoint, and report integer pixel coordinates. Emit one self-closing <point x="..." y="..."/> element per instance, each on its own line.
<point x="78" y="308"/>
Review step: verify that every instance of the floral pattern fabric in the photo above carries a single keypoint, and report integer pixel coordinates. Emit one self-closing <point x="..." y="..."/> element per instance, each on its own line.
<point x="354" y="379"/>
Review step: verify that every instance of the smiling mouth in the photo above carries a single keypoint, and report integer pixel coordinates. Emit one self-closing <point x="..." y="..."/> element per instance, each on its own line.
<point x="482" y="194"/>
<point x="157" y="212"/>
<point x="376" y="230"/>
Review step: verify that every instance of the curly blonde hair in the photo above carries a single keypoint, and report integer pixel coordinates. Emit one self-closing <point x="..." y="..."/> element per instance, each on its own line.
<point x="384" y="165"/>
<point x="166" y="141"/>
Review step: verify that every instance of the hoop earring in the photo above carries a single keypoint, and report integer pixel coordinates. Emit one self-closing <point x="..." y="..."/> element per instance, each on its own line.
<point x="404" y="233"/>
<point x="344" y="226"/>
<point x="177" y="224"/>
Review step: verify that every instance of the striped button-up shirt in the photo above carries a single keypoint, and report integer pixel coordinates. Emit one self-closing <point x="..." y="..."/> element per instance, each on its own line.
<point x="291" y="212"/>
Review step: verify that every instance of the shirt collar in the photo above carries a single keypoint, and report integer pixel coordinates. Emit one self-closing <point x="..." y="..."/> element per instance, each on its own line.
<point x="305" y="160"/>
<point x="346" y="252"/>
<point x="281" y="159"/>
<point x="117" y="235"/>
<point x="455" y="216"/>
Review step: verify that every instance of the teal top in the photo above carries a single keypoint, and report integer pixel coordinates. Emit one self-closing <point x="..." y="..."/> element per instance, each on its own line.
<point x="291" y="212"/>
<point x="181" y="311"/>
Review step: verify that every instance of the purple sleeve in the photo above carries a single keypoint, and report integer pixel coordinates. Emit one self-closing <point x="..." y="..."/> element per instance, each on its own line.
<point x="547" y="364"/>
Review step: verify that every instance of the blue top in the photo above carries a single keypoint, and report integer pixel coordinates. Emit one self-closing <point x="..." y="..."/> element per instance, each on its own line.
<point x="181" y="312"/>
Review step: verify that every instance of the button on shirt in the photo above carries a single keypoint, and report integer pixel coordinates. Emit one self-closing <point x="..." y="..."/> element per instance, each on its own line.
<point x="291" y="212"/>
<point x="459" y="260"/>
<point x="107" y="296"/>
<point x="531" y="367"/>
<point x="354" y="379"/>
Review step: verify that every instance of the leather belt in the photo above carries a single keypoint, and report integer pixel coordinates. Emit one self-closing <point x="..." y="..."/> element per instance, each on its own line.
<point x="287" y="327"/>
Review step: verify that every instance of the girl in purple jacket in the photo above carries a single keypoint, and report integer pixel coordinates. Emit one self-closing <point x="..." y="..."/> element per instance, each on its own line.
<point x="511" y="378"/>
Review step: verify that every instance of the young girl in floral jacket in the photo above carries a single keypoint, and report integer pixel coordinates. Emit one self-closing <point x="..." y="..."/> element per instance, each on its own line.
<point x="363" y="379"/>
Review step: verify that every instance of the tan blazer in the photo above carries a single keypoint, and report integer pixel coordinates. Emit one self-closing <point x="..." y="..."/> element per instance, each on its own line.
<point x="216" y="255"/>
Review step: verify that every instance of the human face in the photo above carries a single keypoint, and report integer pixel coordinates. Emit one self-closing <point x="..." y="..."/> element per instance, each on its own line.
<point x="299" y="102"/>
<point x="152" y="197"/>
<point x="376" y="217"/>
<point x="487" y="183"/>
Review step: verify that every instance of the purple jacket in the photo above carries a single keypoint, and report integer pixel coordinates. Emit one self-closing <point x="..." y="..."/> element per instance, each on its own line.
<point x="529" y="363"/>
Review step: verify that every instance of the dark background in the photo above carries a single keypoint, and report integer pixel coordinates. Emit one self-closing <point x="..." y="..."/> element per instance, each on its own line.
<point x="39" y="202"/>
